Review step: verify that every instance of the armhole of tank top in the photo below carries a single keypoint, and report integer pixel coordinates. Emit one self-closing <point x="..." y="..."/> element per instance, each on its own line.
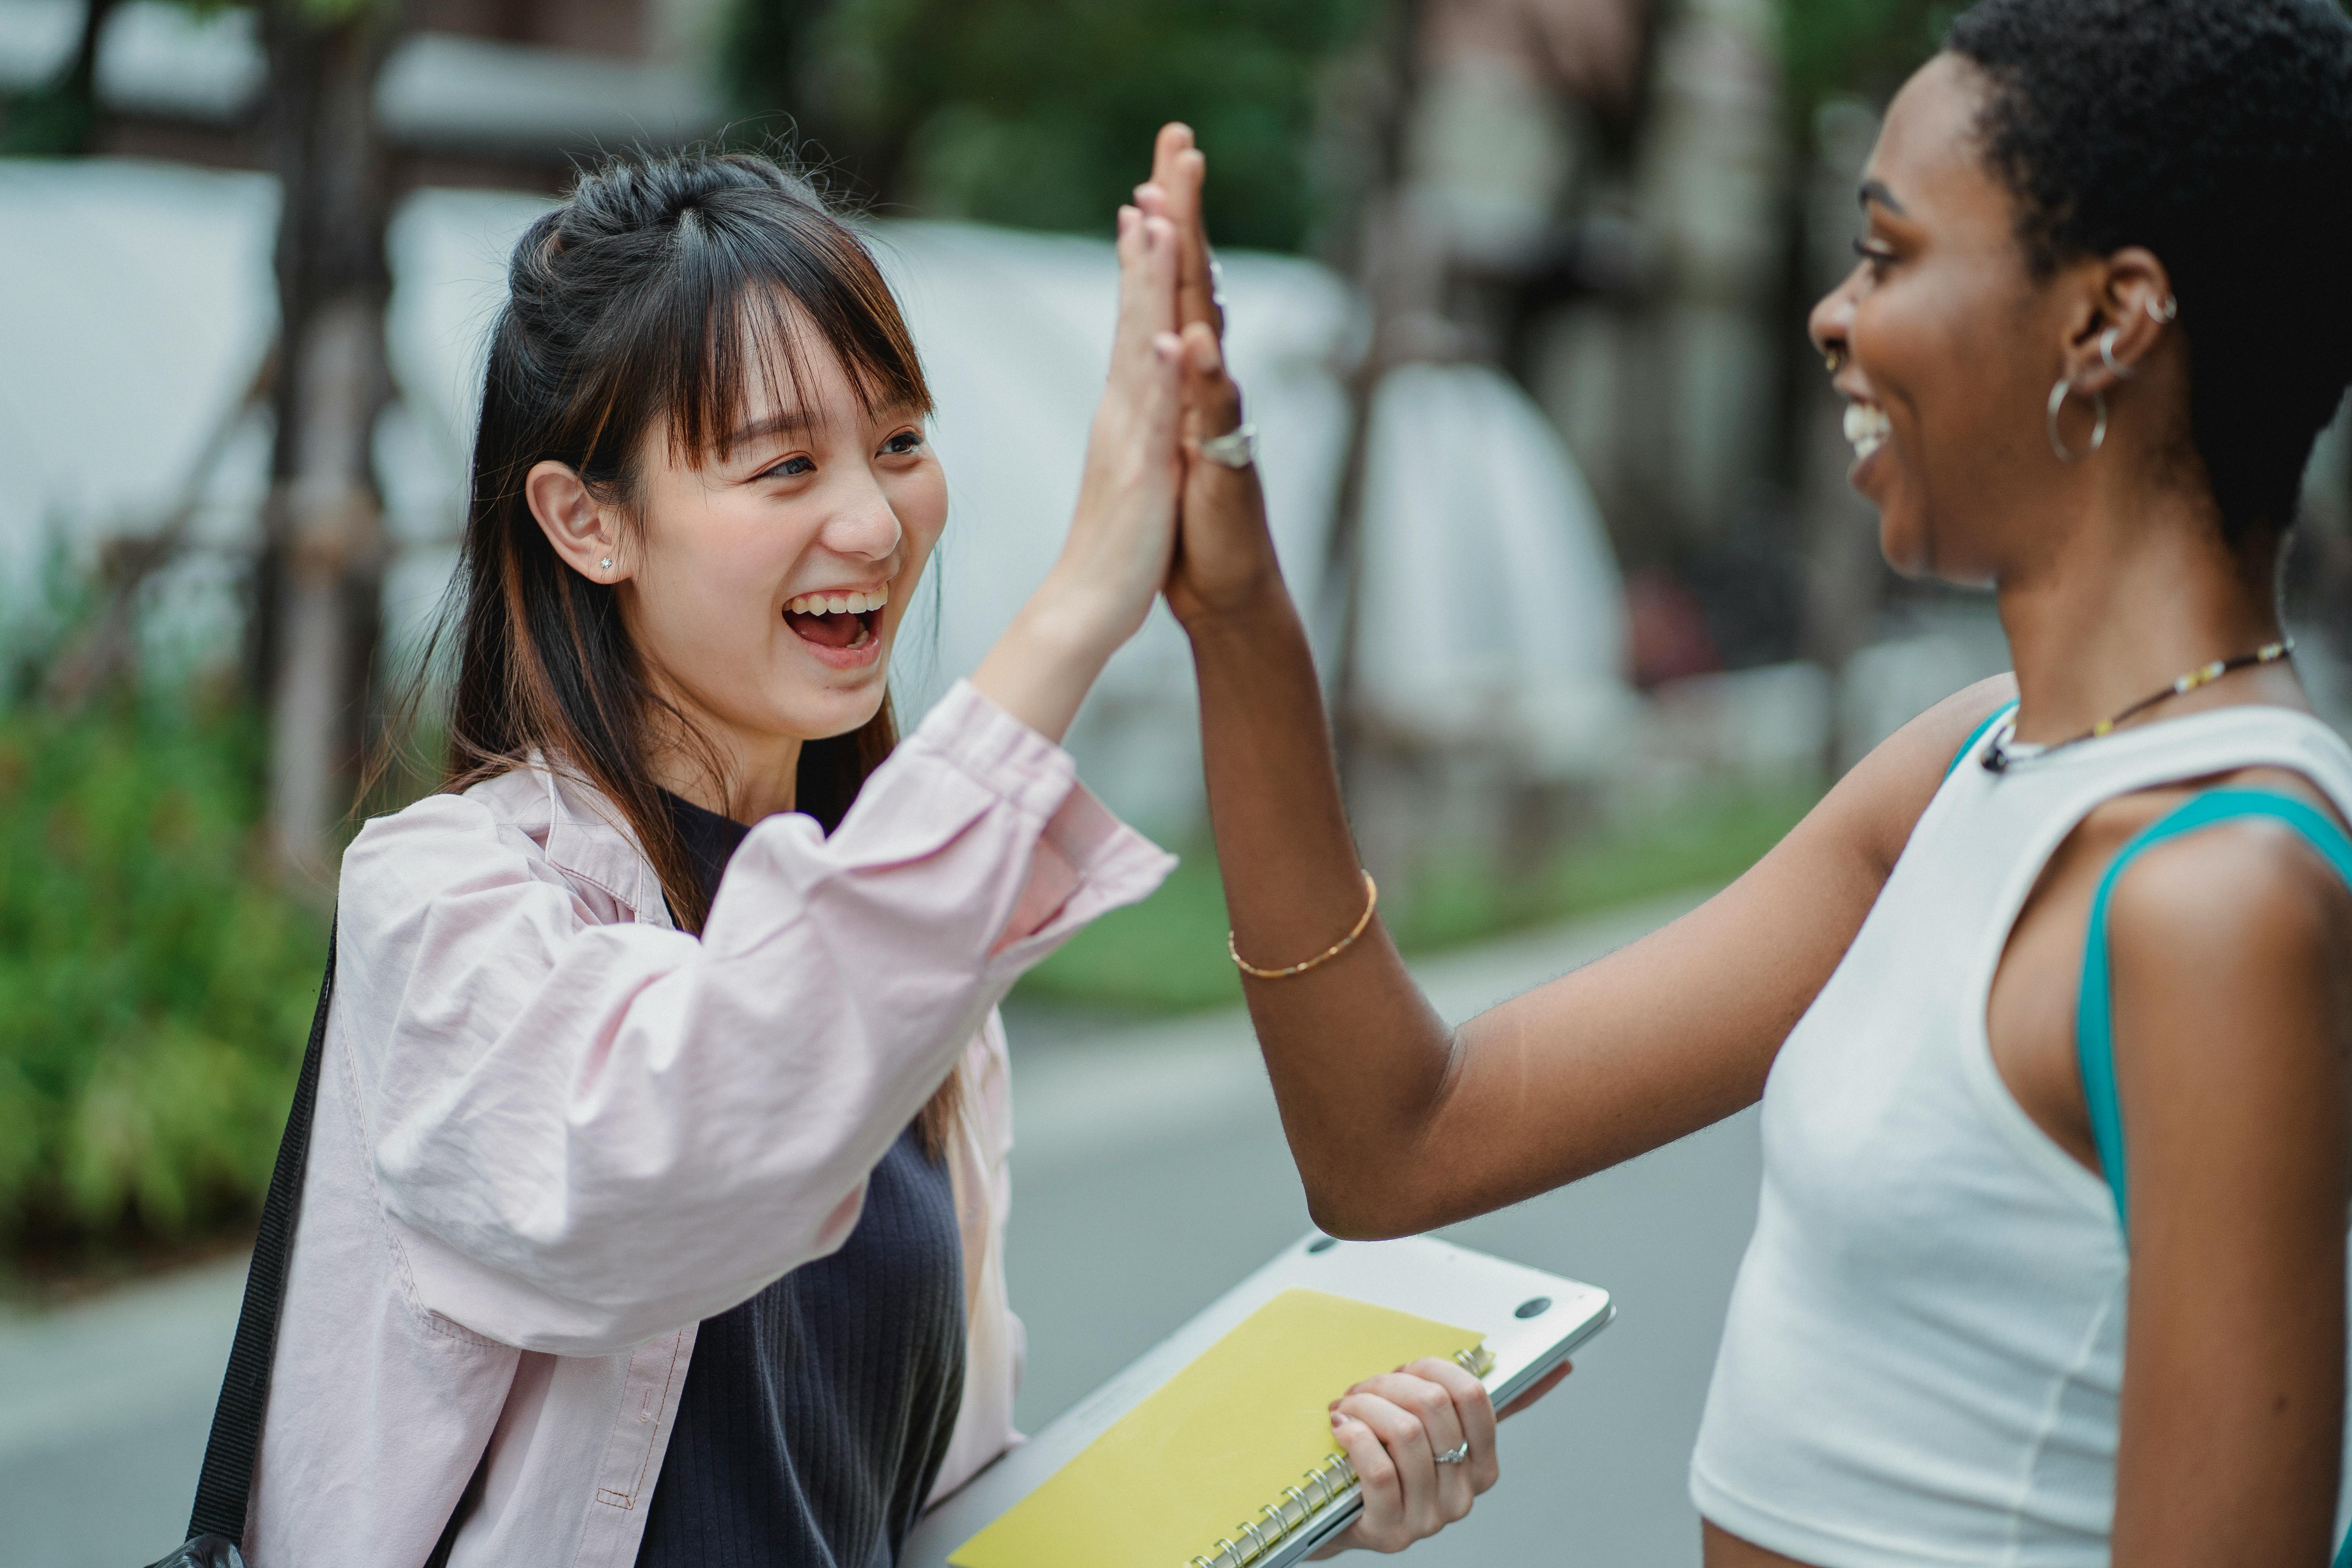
<point x="1978" y="733"/>
<point x="2094" y="1051"/>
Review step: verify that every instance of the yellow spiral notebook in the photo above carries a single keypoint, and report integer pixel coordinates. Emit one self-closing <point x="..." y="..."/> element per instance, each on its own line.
<point x="1212" y="1448"/>
<point x="1225" y="1458"/>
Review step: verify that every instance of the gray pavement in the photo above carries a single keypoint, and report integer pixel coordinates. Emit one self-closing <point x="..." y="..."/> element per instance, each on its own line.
<point x="1150" y="1173"/>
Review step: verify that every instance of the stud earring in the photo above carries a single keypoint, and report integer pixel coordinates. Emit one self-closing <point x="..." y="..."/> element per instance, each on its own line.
<point x="606" y="563"/>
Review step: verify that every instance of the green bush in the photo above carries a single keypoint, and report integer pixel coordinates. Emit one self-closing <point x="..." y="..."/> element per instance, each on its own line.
<point x="155" y="992"/>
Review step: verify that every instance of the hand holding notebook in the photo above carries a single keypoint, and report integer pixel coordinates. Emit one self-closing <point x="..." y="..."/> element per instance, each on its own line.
<point x="1216" y="1450"/>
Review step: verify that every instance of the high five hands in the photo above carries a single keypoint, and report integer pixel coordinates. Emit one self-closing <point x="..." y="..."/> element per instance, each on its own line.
<point x="1421" y="1438"/>
<point x="1224" y="563"/>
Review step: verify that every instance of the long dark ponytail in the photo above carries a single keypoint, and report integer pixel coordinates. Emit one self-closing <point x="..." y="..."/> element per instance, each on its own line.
<point x="659" y="291"/>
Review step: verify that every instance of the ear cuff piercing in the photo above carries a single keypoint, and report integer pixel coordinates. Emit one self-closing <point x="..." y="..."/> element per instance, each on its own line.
<point x="2164" y="314"/>
<point x="2115" y="367"/>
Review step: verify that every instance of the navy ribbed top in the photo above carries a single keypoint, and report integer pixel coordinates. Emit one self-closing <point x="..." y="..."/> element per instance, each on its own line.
<point x="815" y="1415"/>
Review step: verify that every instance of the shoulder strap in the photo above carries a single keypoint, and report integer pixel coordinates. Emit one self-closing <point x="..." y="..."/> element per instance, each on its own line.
<point x="1978" y="733"/>
<point x="226" y="1479"/>
<point x="2095" y="1046"/>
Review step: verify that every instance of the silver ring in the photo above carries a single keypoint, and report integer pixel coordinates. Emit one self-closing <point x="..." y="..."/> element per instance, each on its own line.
<point x="1456" y="1454"/>
<point x="1216" y="283"/>
<point x="1234" y="449"/>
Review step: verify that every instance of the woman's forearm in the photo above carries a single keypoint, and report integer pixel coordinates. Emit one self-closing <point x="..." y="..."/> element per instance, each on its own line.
<point x="1357" y="1058"/>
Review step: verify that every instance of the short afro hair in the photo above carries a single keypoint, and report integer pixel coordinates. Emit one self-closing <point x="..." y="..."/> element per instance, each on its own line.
<point x="2218" y="133"/>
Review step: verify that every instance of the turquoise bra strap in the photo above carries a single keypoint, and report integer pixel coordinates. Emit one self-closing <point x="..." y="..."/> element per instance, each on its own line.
<point x="2095" y="1046"/>
<point x="1978" y="733"/>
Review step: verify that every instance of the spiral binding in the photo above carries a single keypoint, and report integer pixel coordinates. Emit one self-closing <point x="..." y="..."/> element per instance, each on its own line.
<point x="1332" y="1481"/>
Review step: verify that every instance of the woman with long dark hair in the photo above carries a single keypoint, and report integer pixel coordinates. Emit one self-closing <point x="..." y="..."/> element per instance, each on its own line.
<point x="657" y="1191"/>
<point x="2049" y="1002"/>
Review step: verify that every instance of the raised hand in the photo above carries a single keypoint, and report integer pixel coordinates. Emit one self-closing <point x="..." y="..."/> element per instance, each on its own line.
<point x="1122" y="533"/>
<point x="1224" y="556"/>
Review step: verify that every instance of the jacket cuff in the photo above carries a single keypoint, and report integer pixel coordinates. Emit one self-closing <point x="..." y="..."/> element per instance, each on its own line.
<point x="1087" y="863"/>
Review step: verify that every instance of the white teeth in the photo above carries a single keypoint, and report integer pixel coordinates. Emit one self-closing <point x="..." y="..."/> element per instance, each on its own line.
<point x="1867" y="426"/>
<point x="837" y="604"/>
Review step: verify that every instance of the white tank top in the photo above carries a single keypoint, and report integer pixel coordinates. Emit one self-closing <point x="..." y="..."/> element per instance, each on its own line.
<point x="1924" y="1356"/>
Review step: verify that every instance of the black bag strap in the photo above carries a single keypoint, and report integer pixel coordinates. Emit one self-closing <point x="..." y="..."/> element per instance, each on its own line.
<point x="226" y="1481"/>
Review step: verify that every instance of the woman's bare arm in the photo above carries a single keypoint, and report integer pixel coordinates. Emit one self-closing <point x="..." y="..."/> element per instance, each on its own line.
<point x="1399" y="1123"/>
<point x="2231" y="964"/>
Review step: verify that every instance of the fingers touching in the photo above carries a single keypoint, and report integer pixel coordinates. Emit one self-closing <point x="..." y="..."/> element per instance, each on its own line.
<point x="1179" y="171"/>
<point x="1147" y="291"/>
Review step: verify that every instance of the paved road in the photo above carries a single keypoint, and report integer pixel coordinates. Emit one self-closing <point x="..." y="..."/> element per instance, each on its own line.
<point x="1150" y="1175"/>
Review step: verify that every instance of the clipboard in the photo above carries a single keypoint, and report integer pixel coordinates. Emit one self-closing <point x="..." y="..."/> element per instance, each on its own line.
<point x="1531" y="1321"/>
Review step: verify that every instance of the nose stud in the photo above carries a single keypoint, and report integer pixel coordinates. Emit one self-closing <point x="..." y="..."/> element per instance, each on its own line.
<point x="1833" y="358"/>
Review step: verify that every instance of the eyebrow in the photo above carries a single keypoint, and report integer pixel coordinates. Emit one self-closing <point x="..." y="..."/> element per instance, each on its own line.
<point x="1876" y="191"/>
<point x="791" y="422"/>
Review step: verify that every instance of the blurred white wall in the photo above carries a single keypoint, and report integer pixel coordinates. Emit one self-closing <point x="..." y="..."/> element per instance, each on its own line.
<point x="140" y="307"/>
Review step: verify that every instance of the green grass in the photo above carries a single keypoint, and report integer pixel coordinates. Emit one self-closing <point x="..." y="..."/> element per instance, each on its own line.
<point x="1167" y="954"/>
<point x="156" y="991"/>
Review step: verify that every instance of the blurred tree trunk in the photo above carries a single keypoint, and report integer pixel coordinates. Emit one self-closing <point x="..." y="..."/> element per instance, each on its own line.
<point x="317" y="586"/>
<point x="60" y="118"/>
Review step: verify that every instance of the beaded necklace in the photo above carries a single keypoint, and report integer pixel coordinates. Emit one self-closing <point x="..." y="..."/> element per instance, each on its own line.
<point x="1997" y="756"/>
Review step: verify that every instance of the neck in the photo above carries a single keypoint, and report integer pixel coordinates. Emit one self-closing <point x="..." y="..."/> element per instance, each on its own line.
<point x="740" y="775"/>
<point x="2138" y="589"/>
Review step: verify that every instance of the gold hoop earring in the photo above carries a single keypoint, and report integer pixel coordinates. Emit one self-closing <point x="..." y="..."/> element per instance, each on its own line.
<point x="2098" y="428"/>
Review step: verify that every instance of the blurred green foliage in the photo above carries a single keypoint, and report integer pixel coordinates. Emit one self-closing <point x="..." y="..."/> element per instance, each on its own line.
<point x="155" y="992"/>
<point x="1167" y="954"/>
<point x="1859" y="48"/>
<point x="1040" y="113"/>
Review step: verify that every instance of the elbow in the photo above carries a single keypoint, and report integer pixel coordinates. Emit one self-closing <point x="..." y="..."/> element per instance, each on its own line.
<point x="1356" y="1211"/>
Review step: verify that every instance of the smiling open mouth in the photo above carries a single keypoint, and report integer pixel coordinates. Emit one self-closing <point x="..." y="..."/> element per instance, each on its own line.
<point x="836" y="620"/>
<point x="1867" y="428"/>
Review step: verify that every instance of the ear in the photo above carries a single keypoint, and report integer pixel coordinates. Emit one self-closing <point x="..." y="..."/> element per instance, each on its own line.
<point x="581" y="529"/>
<point x="2128" y="318"/>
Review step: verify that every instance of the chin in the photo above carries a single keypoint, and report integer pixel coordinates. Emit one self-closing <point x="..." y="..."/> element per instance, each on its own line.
<point x="836" y="713"/>
<point x="1904" y="545"/>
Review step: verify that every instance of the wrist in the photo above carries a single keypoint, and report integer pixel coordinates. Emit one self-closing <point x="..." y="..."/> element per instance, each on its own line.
<point x="1073" y="615"/>
<point x="1242" y="614"/>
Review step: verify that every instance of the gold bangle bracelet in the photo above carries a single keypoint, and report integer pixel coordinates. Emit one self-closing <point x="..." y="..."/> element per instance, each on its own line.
<point x="1370" y="903"/>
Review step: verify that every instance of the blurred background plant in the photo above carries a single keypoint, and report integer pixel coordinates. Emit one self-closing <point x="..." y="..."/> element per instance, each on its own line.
<point x="155" y="981"/>
<point x="1029" y="112"/>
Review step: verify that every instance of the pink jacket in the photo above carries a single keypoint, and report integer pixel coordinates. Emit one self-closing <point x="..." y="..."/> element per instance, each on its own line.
<point x="554" y="1133"/>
